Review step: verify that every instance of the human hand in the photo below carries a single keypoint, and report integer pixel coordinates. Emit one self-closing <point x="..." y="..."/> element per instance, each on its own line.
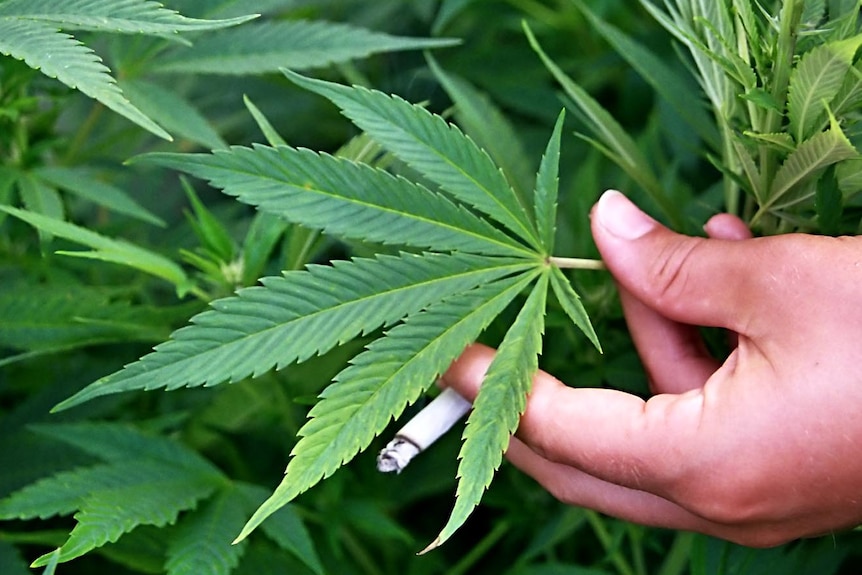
<point x="760" y="449"/>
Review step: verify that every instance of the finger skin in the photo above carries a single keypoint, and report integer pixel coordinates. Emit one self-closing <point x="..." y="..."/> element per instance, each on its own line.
<point x="673" y="354"/>
<point x="763" y="449"/>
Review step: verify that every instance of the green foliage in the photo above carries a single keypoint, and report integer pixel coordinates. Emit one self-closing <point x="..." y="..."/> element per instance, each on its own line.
<point x="269" y="326"/>
<point x="29" y="32"/>
<point x="348" y="262"/>
<point x="782" y="87"/>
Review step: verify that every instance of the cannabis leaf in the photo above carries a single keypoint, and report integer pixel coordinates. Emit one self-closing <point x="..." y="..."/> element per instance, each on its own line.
<point x="30" y="31"/>
<point x="297" y="44"/>
<point x="144" y="481"/>
<point x="486" y="248"/>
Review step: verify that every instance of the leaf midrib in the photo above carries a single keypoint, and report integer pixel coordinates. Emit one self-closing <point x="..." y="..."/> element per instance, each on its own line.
<point x="513" y="245"/>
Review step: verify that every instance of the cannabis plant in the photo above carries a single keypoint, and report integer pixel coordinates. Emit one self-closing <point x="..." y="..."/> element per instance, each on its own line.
<point x="483" y="246"/>
<point x="784" y="87"/>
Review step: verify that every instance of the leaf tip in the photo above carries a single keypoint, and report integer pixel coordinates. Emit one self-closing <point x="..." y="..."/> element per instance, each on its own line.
<point x="431" y="546"/>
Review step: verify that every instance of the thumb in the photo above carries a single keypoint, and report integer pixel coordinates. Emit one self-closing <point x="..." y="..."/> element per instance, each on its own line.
<point x="691" y="280"/>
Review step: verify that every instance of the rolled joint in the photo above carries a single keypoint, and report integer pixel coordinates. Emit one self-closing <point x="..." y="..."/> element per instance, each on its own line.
<point x="422" y="430"/>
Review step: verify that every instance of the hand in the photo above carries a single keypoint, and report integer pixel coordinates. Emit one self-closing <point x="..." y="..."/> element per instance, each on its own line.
<point x="760" y="449"/>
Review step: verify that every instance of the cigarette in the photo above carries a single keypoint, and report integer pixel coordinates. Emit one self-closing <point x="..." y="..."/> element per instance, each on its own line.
<point x="424" y="429"/>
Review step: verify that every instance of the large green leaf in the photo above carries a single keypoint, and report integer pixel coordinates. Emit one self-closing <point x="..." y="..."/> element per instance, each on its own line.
<point x="433" y="147"/>
<point x="498" y="407"/>
<point x="267" y="47"/>
<point x="126" y="16"/>
<point x="382" y="381"/>
<point x="294" y="317"/>
<point x="343" y="198"/>
<point x="815" y="81"/>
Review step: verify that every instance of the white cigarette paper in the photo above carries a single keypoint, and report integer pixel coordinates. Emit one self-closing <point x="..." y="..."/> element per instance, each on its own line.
<point x="425" y="428"/>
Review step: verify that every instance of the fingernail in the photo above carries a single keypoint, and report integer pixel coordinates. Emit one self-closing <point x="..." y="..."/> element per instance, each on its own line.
<point x="622" y="218"/>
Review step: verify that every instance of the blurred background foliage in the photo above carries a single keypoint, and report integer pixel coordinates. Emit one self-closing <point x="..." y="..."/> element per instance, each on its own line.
<point x="66" y="321"/>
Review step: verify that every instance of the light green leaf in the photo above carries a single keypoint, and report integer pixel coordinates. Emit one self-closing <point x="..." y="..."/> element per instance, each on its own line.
<point x="815" y="81"/>
<point x="126" y="16"/>
<point x="175" y="113"/>
<point x="52" y="562"/>
<point x="572" y="305"/>
<point x="616" y="143"/>
<point x="498" y="407"/>
<point x="343" y="198"/>
<point x="485" y="123"/>
<point x="547" y="188"/>
<point x="433" y="147"/>
<point x="812" y="156"/>
<point x="107" y="249"/>
<point x="60" y="56"/>
<point x="381" y="382"/>
<point x="201" y="543"/>
<point x="287" y="529"/>
<point x="781" y="141"/>
<point x="267" y="47"/>
<point x="86" y="183"/>
<point x="294" y="317"/>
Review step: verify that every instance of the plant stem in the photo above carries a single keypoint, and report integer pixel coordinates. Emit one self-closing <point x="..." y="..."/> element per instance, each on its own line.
<point x="577" y="263"/>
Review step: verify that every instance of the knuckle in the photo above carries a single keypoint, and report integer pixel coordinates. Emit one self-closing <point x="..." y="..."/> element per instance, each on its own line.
<point x="670" y="273"/>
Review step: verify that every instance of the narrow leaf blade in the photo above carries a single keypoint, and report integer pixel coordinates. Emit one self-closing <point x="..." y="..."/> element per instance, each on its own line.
<point x="572" y="305"/>
<point x="343" y="198"/>
<point x="433" y="147"/>
<point x="294" y="317"/>
<point x="498" y="407"/>
<point x="381" y="382"/>
<point x="547" y="188"/>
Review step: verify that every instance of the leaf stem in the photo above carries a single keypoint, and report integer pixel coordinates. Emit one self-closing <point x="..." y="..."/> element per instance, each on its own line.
<point x="577" y="263"/>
